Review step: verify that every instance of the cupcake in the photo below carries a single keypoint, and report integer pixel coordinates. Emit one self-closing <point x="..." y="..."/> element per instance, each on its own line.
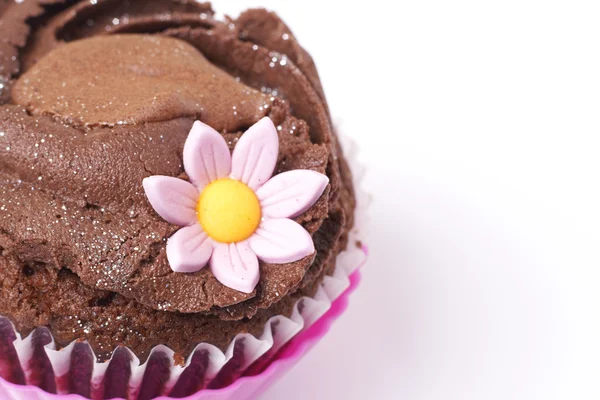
<point x="173" y="196"/>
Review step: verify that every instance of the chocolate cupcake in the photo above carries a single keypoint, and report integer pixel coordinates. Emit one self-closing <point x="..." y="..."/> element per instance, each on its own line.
<point x="166" y="179"/>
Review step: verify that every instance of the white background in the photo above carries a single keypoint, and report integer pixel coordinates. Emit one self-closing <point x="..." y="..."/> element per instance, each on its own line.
<point x="478" y="122"/>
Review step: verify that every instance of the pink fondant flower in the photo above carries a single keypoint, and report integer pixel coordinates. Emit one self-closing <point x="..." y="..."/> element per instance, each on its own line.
<point x="232" y="212"/>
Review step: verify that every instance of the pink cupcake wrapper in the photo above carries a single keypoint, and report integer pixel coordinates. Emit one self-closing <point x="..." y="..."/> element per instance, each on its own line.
<point x="116" y="380"/>
<point x="246" y="387"/>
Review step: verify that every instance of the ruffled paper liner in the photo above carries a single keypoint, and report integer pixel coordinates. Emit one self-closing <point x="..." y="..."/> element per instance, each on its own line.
<point x="35" y="361"/>
<point x="246" y="368"/>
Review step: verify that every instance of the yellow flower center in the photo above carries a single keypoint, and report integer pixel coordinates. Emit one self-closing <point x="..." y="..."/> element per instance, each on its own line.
<point x="228" y="211"/>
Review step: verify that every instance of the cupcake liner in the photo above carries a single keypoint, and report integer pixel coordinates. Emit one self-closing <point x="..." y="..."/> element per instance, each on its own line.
<point x="208" y="372"/>
<point x="32" y="367"/>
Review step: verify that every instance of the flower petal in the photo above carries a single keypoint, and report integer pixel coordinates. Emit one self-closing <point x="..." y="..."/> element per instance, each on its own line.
<point x="281" y="241"/>
<point x="235" y="265"/>
<point x="291" y="193"/>
<point x="255" y="155"/>
<point x="189" y="249"/>
<point x="206" y="156"/>
<point x="173" y="199"/>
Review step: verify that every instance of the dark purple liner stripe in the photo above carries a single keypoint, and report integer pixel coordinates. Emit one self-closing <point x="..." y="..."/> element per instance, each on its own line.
<point x="193" y="378"/>
<point x="285" y="357"/>
<point x="81" y="368"/>
<point x="155" y="377"/>
<point x="263" y="361"/>
<point x="232" y="370"/>
<point x="118" y="373"/>
<point x="42" y="374"/>
<point x="10" y="368"/>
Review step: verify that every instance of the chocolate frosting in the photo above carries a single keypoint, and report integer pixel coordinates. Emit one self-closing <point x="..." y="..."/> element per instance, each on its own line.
<point x="83" y="82"/>
<point x="94" y="97"/>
